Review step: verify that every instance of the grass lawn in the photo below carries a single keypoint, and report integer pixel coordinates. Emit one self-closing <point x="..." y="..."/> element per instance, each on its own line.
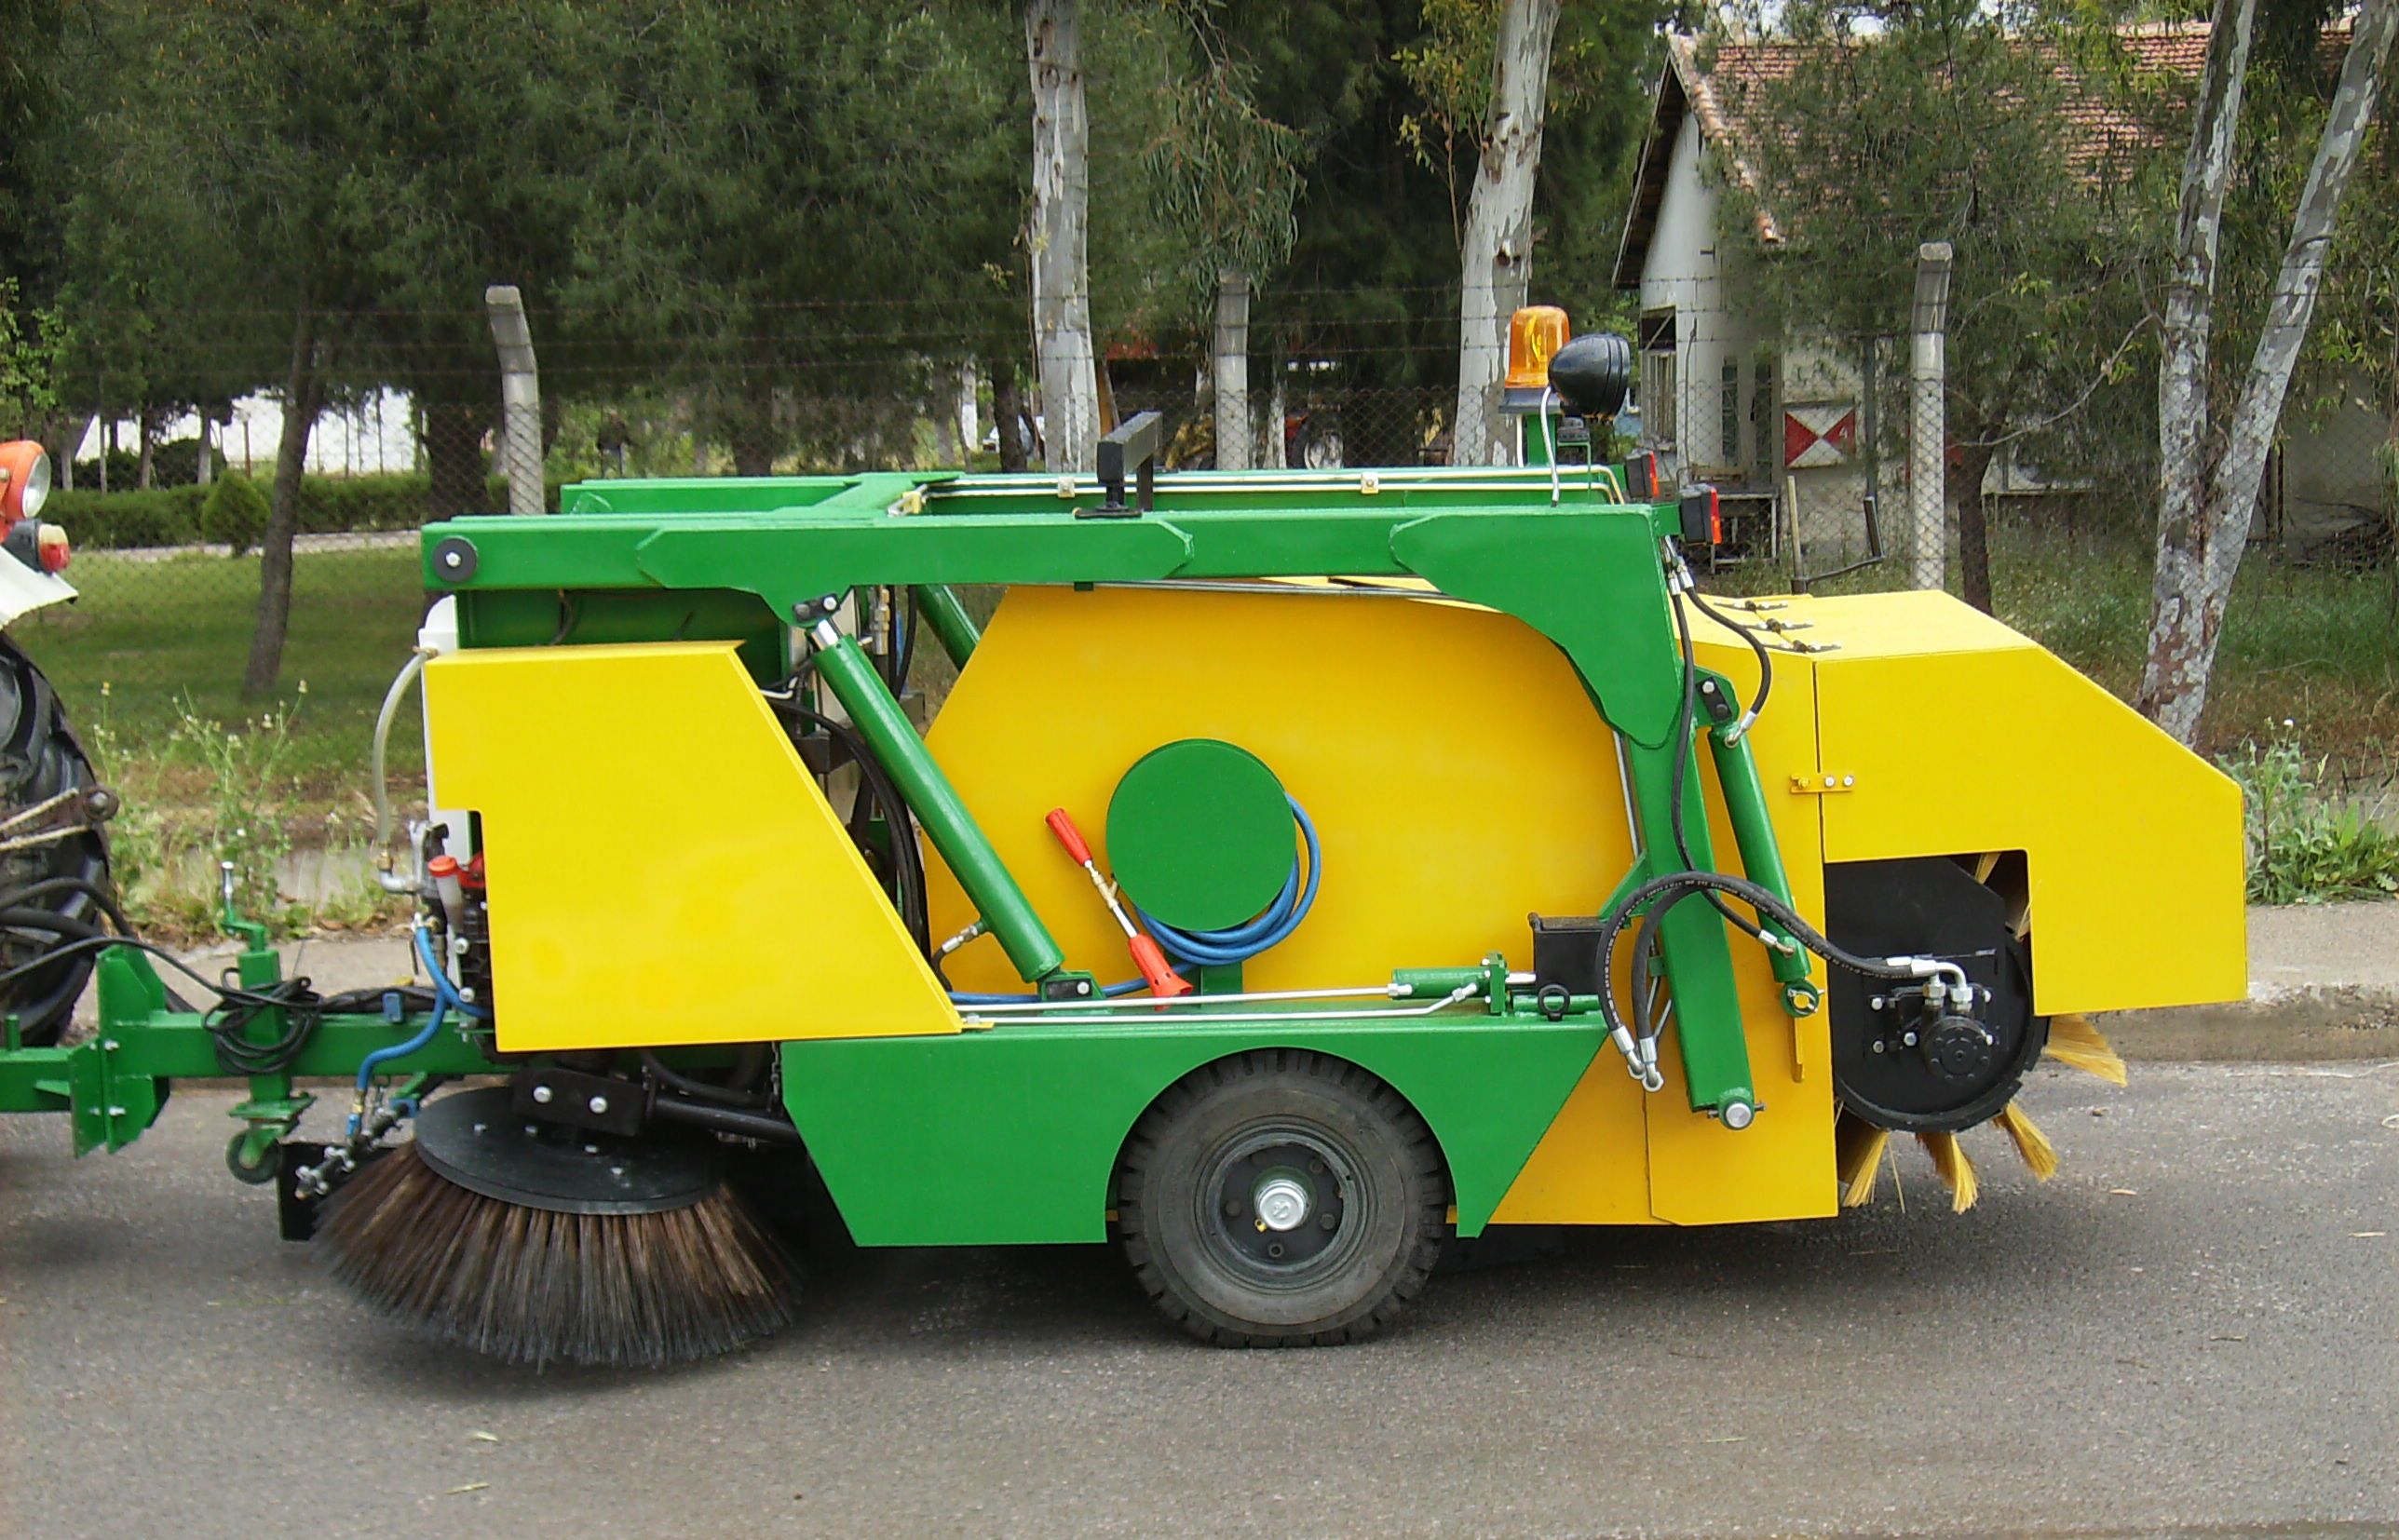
<point x="148" y="635"/>
<point x="2311" y="644"/>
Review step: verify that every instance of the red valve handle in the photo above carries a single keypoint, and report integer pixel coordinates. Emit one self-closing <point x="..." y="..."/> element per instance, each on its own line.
<point x="1069" y="836"/>
<point x="1165" y="982"/>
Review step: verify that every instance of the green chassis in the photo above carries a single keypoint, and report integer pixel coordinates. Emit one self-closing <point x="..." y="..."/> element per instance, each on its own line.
<point x="939" y="1139"/>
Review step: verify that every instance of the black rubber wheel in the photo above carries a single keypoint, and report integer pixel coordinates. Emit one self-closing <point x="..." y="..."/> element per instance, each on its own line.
<point x="39" y="757"/>
<point x="1282" y="1199"/>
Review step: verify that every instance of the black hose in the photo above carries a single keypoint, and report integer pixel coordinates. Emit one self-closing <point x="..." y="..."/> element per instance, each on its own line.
<point x="1748" y="634"/>
<point x="741" y="1091"/>
<point x="907" y="872"/>
<point x="725" y="1120"/>
<point x="1674" y="886"/>
<point x="1686" y="745"/>
<point x="98" y="894"/>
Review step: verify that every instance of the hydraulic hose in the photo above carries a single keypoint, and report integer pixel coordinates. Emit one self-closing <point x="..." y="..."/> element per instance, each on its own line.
<point x="1653" y="898"/>
<point x="1241" y="942"/>
<point x="445" y="1000"/>
<point x="1218" y="947"/>
<point x="382" y="792"/>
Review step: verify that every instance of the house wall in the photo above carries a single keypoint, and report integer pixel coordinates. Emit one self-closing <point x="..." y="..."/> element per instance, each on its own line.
<point x="1681" y="273"/>
<point x="1739" y="442"/>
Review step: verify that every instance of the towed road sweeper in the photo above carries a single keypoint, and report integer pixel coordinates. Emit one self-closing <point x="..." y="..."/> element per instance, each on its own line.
<point x="1305" y="867"/>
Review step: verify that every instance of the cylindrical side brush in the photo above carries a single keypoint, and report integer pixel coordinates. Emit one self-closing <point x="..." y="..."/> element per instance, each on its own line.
<point x="1165" y="982"/>
<point x="542" y="1245"/>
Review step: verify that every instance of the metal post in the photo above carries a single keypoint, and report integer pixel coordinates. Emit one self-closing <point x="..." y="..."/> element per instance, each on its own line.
<point x="520" y="399"/>
<point x="1928" y="425"/>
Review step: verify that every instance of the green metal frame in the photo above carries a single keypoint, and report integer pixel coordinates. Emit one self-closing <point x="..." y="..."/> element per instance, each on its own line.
<point x="1589" y="575"/>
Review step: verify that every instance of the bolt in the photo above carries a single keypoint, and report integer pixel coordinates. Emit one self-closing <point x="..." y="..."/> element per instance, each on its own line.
<point x="542" y="1094"/>
<point x="1909" y="1039"/>
<point x="1737" y="1115"/>
<point x="599" y="1105"/>
<point x="1877" y="1045"/>
<point x="1849" y="781"/>
<point x="1878" y="1003"/>
<point x="1083" y="988"/>
<point x="591" y="1149"/>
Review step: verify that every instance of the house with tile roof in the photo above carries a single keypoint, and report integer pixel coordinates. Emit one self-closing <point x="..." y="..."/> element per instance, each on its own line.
<point x="1786" y="427"/>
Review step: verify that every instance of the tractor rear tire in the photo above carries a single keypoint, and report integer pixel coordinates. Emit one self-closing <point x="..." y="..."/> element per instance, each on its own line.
<point x="39" y="757"/>
<point x="1281" y="1198"/>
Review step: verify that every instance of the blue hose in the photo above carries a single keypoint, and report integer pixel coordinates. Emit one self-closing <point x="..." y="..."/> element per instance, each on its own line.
<point x="1188" y="949"/>
<point x="1241" y="942"/>
<point x="445" y="1000"/>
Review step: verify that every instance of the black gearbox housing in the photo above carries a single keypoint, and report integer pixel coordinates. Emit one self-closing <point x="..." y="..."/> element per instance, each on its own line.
<point x="1926" y="907"/>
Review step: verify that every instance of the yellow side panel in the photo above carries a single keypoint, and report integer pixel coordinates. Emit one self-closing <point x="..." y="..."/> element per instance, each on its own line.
<point x="662" y="868"/>
<point x="1458" y="777"/>
<point x="1970" y="739"/>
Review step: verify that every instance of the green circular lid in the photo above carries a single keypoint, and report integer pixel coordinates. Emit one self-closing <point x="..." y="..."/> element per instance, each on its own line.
<point x="1201" y="835"/>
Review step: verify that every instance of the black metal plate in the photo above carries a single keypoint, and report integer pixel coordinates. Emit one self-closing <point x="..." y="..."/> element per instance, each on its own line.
<point x="1926" y="906"/>
<point x="477" y="1140"/>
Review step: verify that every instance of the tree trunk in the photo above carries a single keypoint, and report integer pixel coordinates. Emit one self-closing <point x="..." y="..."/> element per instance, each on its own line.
<point x="1495" y="259"/>
<point x="1233" y="433"/>
<point x="752" y="428"/>
<point x="456" y="482"/>
<point x="1973" y="527"/>
<point x="146" y="463"/>
<point x="205" y="470"/>
<point x="1007" y="413"/>
<point x="1062" y="298"/>
<point x="2204" y="518"/>
<point x="1272" y="453"/>
<point x="107" y="445"/>
<point x="304" y="395"/>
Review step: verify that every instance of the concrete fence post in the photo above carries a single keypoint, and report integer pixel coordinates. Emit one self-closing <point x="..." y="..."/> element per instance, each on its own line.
<point x="1927" y="435"/>
<point x="520" y="399"/>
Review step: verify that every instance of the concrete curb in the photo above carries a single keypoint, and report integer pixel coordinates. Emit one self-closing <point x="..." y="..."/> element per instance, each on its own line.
<point x="2312" y="1024"/>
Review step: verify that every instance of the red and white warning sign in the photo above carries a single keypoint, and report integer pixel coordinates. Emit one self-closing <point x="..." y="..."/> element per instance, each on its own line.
<point x="1819" y="434"/>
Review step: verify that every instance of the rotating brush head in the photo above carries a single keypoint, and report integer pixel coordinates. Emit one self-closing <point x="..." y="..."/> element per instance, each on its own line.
<point x="508" y="1238"/>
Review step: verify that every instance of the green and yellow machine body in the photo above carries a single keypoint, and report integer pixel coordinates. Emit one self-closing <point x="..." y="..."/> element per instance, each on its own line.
<point x="1471" y="682"/>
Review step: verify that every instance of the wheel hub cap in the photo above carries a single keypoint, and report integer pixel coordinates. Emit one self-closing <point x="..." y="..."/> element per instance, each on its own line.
<point x="1281" y="1204"/>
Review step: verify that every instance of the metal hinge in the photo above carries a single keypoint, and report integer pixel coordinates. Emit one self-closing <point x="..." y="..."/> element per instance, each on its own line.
<point x="1822" y="784"/>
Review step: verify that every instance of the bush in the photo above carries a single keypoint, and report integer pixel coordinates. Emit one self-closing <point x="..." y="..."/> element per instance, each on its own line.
<point x="329" y="504"/>
<point x="2305" y="848"/>
<point x="235" y="513"/>
<point x="122" y="521"/>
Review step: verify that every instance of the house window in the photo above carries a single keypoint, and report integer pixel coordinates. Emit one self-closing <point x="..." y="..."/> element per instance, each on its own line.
<point x="1728" y="415"/>
<point x="1658" y="388"/>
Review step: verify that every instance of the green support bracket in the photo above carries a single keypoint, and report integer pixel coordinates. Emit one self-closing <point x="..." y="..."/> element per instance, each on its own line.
<point x="947" y="619"/>
<point x="850" y="675"/>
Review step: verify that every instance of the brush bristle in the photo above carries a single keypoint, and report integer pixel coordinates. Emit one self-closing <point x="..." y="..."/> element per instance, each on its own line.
<point x="1859" y="1146"/>
<point x="2073" y="1041"/>
<point x="2040" y="1154"/>
<point x="1955" y="1171"/>
<point x="535" y="1287"/>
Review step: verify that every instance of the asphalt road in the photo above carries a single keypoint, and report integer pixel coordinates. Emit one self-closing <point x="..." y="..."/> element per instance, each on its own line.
<point x="2193" y="1330"/>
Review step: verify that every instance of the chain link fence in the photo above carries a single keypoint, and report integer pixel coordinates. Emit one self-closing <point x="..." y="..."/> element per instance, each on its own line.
<point x="1834" y="459"/>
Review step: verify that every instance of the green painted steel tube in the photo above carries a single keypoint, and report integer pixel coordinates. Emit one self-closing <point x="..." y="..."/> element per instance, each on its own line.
<point x="851" y="677"/>
<point x="1697" y="956"/>
<point x="1753" y="832"/>
<point x="947" y="618"/>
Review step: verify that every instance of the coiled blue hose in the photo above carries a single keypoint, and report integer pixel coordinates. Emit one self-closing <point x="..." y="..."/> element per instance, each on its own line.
<point x="1241" y="942"/>
<point x="1188" y="949"/>
<point x="445" y="1000"/>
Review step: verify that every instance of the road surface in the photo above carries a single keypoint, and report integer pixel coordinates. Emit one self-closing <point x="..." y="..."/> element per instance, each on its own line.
<point x="2194" y="1329"/>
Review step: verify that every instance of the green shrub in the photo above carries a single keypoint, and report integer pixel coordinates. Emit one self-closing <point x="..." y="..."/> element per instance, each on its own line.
<point x="124" y="521"/>
<point x="2304" y="846"/>
<point x="235" y="513"/>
